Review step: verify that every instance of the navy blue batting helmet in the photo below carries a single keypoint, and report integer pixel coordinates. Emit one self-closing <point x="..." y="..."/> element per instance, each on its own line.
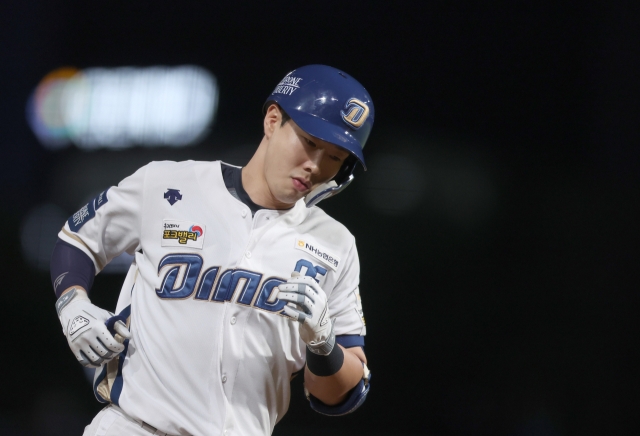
<point x="328" y="104"/>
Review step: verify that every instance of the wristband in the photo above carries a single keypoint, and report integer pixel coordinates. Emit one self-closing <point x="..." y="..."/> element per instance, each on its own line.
<point x="325" y="366"/>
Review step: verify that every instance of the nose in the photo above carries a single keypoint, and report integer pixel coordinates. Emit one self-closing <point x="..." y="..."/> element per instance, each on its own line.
<point x="312" y="164"/>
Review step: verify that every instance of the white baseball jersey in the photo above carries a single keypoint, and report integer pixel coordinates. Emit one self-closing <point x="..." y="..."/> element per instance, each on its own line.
<point x="210" y="352"/>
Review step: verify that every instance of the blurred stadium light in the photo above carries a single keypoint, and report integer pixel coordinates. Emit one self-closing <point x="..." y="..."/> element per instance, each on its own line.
<point x="122" y="107"/>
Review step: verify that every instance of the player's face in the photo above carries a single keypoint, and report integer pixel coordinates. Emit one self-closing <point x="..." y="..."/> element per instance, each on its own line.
<point x="296" y="162"/>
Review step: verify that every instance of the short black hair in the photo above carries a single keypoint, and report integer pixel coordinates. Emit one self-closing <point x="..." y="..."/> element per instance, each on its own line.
<point x="285" y="116"/>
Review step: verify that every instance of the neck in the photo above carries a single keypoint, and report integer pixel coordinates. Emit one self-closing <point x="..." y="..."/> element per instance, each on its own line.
<point x="255" y="182"/>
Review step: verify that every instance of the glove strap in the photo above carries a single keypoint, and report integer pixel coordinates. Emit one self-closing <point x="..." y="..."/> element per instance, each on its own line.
<point x="64" y="300"/>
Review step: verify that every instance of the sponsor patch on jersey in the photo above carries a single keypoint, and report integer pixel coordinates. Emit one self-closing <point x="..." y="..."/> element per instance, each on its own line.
<point x="318" y="252"/>
<point x="182" y="234"/>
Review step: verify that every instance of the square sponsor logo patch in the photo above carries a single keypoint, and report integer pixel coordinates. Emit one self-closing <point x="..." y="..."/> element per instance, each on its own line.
<point x="182" y="234"/>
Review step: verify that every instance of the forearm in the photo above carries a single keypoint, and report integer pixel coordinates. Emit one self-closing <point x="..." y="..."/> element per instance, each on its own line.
<point x="333" y="389"/>
<point x="70" y="267"/>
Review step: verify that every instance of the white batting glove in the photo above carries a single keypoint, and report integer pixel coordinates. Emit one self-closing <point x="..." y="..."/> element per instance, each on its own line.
<point x="307" y="304"/>
<point x="85" y="327"/>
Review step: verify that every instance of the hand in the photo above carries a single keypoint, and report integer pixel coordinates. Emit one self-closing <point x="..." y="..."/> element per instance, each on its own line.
<point x="307" y="304"/>
<point x="85" y="327"/>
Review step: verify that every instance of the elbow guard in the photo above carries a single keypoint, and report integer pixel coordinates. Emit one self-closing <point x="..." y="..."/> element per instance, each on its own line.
<point x="354" y="399"/>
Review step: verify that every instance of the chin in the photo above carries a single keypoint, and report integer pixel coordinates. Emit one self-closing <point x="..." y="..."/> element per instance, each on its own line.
<point x="292" y="198"/>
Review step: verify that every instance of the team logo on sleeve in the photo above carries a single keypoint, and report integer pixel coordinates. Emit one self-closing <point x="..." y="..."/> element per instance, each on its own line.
<point x="318" y="252"/>
<point x="182" y="234"/>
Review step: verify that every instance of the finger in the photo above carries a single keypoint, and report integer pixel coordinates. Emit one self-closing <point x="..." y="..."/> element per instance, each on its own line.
<point x="110" y="323"/>
<point x="109" y="341"/>
<point x="90" y="355"/>
<point x="301" y="288"/>
<point x="122" y="330"/>
<point x="293" y="297"/>
<point x="83" y="359"/>
<point x="100" y="349"/>
<point x="303" y="302"/>
<point x="296" y="314"/>
<point x="291" y="287"/>
<point x="310" y="286"/>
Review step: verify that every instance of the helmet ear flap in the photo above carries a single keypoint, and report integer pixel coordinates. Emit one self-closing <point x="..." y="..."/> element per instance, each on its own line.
<point x="334" y="186"/>
<point x="346" y="170"/>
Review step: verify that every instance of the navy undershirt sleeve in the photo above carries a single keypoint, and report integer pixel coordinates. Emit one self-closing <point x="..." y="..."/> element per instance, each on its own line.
<point x="70" y="266"/>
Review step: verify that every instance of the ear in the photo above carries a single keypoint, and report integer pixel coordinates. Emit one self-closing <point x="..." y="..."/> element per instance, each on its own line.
<point x="272" y="120"/>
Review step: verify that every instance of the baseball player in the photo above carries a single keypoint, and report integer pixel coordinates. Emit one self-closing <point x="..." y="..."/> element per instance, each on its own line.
<point x="239" y="281"/>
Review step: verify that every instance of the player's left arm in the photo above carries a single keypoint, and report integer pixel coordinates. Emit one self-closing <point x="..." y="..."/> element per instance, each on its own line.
<point x="336" y="377"/>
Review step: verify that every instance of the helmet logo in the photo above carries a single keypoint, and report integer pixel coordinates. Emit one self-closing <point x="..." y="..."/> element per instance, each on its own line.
<point x="287" y="85"/>
<point x="355" y="113"/>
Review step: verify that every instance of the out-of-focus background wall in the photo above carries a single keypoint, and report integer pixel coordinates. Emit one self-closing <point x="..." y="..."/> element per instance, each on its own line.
<point x="497" y="225"/>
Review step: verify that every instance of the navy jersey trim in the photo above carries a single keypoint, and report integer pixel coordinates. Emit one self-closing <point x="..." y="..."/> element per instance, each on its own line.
<point x="349" y="341"/>
<point x="118" y="383"/>
<point x="232" y="177"/>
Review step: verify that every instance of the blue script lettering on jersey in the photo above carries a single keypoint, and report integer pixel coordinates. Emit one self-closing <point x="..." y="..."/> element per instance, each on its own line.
<point x="206" y="284"/>
<point x="311" y="270"/>
<point x="192" y="264"/>
<point x="253" y="291"/>
<point x="228" y="285"/>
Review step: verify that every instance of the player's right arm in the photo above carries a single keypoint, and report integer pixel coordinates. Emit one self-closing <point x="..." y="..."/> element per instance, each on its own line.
<point x="101" y="230"/>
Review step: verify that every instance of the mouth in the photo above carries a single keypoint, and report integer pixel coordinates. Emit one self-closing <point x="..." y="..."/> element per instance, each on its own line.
<point x="301" y="184"/>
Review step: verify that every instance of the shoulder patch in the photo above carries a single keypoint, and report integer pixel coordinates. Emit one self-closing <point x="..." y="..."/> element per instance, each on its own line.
<point x="318" y="252"/>
<point x="86" y="212"/>
<point x="78" y="219"/>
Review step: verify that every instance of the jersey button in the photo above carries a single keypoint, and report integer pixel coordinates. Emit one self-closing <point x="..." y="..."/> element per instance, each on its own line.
<point x="248" y="254"/>
<point x="243" y="213"/>
<point x="224" y="378"/>
<point x="233" y="320"/>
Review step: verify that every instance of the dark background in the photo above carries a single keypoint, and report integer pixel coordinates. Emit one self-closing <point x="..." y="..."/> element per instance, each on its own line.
<point x="501" y="301"/>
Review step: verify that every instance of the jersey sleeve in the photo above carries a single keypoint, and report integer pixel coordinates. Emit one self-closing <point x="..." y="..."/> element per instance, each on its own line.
<point x="344" y="301"/>
<point x="109" y="224"/>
